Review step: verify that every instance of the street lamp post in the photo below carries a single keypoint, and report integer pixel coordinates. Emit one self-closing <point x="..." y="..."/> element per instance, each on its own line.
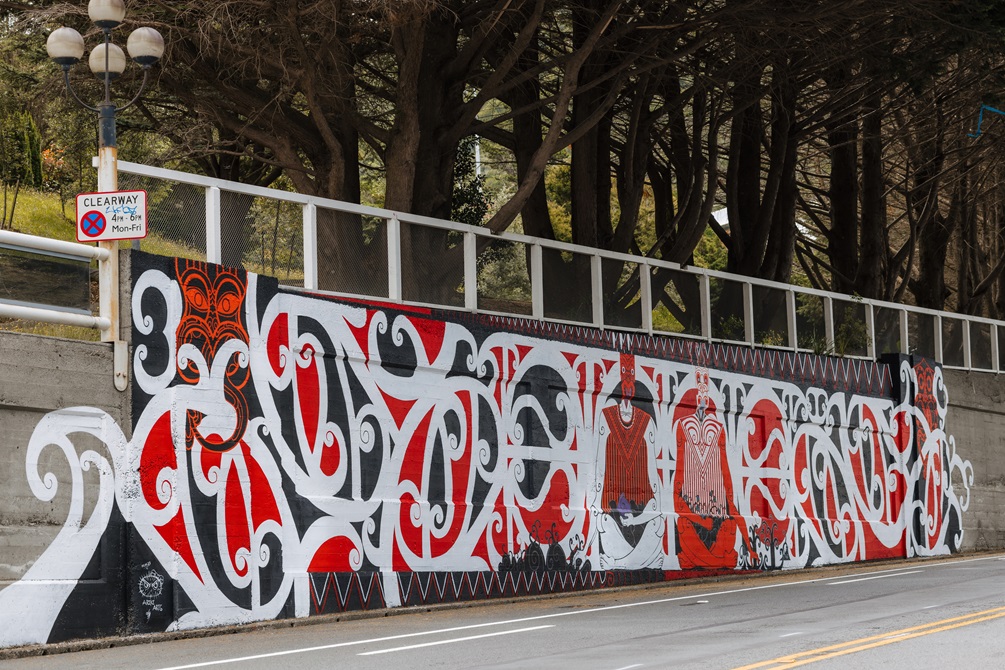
<point x="107" y="61"/>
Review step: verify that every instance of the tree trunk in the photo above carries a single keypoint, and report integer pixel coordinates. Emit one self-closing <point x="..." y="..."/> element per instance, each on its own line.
<point x="934" y="228"/>
<point x="527" y="137"/>
<point x="591" y="155"/>
<point x="743" y="179"/>
<point x="872" y="270"/>
<point x="842" y="140"/>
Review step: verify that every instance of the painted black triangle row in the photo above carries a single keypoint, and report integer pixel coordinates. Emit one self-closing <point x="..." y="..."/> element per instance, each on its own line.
<point x="334" y="592"/>
<point x="346" y="591"/>
<point x="428" y="588"/>
<point x="431" y="588"/>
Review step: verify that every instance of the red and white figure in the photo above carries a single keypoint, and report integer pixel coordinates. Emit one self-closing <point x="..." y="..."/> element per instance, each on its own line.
<point x="709" y="527"/>
<point x="629" y="509"/>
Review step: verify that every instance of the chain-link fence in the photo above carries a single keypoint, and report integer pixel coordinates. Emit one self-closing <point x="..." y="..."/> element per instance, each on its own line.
<point x="176" y="216"/>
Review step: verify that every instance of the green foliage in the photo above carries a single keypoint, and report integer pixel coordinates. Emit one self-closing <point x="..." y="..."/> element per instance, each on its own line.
<point x="50" y="330"/>
<point x="503" y="278"/>
<point x="371" y="177"/>
<point x="40" y="214"/>
<point x="850" y="337"/>
<point x="558" y="185"/>
<point x="55" y="170"/>
<point x="665" y="322"/>
<point x="470" y="201"/>
<point x="20" y="150"/>
<point x="851" y="334"/>
<point x="772" y="338"/>
<point x="710" y="253"/>
<point x="276" y="244"/>
<point x="730" y="328"/>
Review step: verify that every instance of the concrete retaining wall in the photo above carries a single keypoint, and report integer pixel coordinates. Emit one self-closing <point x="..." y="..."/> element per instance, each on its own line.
<point x="39" y="375"/>
<point x="976" y="419"/>
<point x="281" y="454"/>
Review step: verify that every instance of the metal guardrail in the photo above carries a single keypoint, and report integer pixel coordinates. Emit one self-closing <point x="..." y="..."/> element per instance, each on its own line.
<point x="45" y="246"/>
<point x="957" y="341"/>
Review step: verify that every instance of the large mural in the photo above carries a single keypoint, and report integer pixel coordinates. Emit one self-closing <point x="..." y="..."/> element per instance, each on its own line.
<point x="292" y="454"/>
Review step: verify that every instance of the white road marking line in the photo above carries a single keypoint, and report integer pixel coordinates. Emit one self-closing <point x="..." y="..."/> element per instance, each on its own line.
<point x="629" y="667"/>
<point x="456" y="639"/>
<point x="970" y="560"/>
<point x="929" y="607"/>
<point x="791" y="634"/>
<point x="865" y="579"/>
<point x="660" y="601"/>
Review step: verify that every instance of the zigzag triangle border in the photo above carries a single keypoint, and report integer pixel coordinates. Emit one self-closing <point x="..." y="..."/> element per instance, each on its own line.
<point x="336" y="592"/>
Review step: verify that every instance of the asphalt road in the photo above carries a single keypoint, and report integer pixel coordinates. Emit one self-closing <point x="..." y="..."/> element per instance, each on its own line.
<point x="917" y="614"/>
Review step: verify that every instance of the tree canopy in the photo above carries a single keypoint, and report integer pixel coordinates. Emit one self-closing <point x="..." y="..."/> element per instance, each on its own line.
<point x="836" y="134"/>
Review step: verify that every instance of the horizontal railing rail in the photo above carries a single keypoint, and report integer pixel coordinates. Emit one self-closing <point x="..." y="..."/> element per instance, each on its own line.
<point x="656" y="296"/>
<point x="9" y="238"/>
<point x="50" y="248"/>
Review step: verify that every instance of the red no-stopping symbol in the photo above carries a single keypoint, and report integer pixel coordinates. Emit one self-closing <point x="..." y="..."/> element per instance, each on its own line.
<point x="92" y="224"/>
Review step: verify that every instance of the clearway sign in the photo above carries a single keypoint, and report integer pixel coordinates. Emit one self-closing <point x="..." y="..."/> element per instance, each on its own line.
<point x="117" y="215"/>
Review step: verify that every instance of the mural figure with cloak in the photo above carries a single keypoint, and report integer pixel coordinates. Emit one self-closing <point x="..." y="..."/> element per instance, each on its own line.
<point x="631" y="523"/>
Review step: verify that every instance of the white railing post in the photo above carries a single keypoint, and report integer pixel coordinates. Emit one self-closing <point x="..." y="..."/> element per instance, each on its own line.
<point x="394" y="258"/>
<point x="108" y="272"/>
<point x="108" y="269"/>
<point x="995" y="364"/>
<point x="597" y="290"/>
<point x="829" y="342"/>
<point x="938" y="338"/>
<point x="646" y="296"/>
<point x="705" y="294"/>
<point x="968" y="361"/>
<point x="214" y="243"/>
<point x="748" y="313"/>
<point x="310" y="246"/>
<point x="536" y="282"/>
<point x="870" y="326"/>
<point x="791" y="320"/>
<point x="470" y="271"/>
<point x="905" y="333"/>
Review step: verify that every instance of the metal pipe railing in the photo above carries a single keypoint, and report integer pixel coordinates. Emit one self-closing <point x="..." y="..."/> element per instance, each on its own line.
<point x="55" y="316"/>
<point x="831" y="326"/>
<point x="9" y="238"/>
<point x="51" y="247"/>
<point x="108" y="295"/>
